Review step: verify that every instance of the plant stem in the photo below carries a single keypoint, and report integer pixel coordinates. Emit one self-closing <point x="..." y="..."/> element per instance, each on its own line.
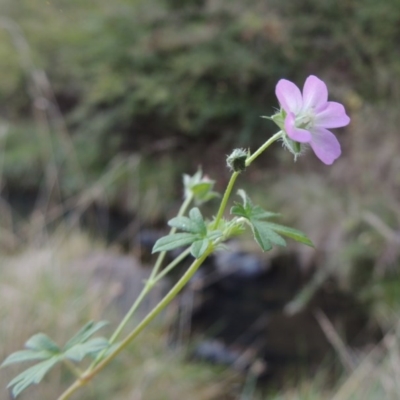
<point x="172" y="265"/>
<point x="234" y="176"/>
<point x="74" y="370"/>
<point x="151" y="281"/>
<point x="225" y="199"/>
<point x="268" y="143"/>
<point x="91" y="372"/>
<point x="155" y="277"/>
<point x="161" y="256"/>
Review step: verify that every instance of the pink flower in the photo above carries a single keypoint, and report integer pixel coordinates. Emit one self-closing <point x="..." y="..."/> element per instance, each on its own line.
<point x="309" y="115"/>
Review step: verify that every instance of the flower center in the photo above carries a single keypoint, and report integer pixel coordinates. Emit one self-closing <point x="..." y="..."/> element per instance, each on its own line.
<point x="305" y="119"/>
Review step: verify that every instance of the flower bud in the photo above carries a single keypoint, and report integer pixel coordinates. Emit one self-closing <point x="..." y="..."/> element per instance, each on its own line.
<point x="237" y="160"/>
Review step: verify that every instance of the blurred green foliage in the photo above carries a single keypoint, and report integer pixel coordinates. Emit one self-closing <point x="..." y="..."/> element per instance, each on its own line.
<point x="133" y="71"/>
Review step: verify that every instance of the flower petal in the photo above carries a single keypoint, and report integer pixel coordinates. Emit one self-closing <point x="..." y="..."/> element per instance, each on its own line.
<point x="296" y="134"/>
<point x="333" y="116"/>
<point x="315" y="93"/>
<point x="325" y="145"/>
<point x="289" y="96"/>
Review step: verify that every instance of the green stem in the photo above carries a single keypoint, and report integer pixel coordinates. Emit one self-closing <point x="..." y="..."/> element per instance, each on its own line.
<point x="74" y="370"/>
<point x="268" y="143"/>
<point x="225" y="199"/>
<point x="171" y="265"/>
<point x="234" y="176"/>
<point x="91" y="372"/>
<point x="185" y="205"/>
<point x="150" y="282"/>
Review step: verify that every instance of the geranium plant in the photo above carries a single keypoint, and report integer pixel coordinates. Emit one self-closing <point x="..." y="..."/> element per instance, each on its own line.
<point x="304" y="119"/>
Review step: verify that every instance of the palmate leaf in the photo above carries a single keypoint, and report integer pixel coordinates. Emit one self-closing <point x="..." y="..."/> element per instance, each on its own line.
<point x="199" y="247"/>
<point x="292" y="233"/>
<point x="41" y="347"/>
<point x="266" y="233"/>
<point x="200" y="187"/>
<point x="26" y="355"/>
<point x="195" y="230"/>
<point x="32" y="375"/>
<point x="91" y="347"/>
<point x="40" y="341"/>
<point x="174" y="241"/>
<point x="185" y="224"/>
<point x="85" y="333"/>
<point x="265" y="236"/>
<point x="196" y="216"/>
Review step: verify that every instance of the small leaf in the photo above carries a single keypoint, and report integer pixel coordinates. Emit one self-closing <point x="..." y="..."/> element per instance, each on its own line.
<point x="32" y="375"/>
<point x="239" y="210"/>
<point x="171" y="242"/>
<point x="199" y="247"/>
<point x="258" y="213"/>
<point x="291" y="233"/>
<point x="185" y="224"/>
<point x="84" y="334"/>
<point x="196" y="216"/>
<point x="26" y="355"/>
<point x="40" y="341"/>
<point x="265" y="236"/>
<point x="92" y="347"/>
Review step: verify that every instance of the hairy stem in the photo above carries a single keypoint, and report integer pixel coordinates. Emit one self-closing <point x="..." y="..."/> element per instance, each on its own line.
<point x="225" y="199"/>
<point x="268" y="143"/>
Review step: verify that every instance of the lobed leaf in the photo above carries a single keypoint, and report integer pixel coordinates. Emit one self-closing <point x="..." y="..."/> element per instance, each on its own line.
<point x="26" y="355"/>
<point x="84" y="334"/>
<point x="40" y="341"/>
<point x="292" y="233"/>
<point x="196" y="216"/>
<point x="185" y="224"/>
<point x="32" y="375"/>
<point x="265" y="236"/>
<point x="91" y="347"/>
<point x="199" y="247"/>
<point x="174" y="241"/>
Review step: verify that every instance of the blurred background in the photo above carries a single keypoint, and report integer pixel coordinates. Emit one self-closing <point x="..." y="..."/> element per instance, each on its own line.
<point x="104" y="105"/>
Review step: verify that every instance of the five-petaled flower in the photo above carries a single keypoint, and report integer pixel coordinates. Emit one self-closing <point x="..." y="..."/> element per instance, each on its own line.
<point x="307" y="116"/>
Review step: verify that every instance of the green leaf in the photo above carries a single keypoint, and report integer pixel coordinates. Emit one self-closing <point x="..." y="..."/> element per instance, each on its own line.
<point x="185" y="224"/>
<point x="91" y="347"/>
<point x="196" y="216"/>
<point x="265" y="236"/>
<point x="84" y="334"/>
<point x="258" y="213"/>
<point x="171" y="242"/>
<point x="200" y="187"/>
<point x="199" y="247"/>
<point x="32" y="375"/>
<point x="26" y="355"/>
<point x="239" y="210"/>
<point x="40" y="341"/>
<point x="291" y="233"/>
<point x="266" y="233"/>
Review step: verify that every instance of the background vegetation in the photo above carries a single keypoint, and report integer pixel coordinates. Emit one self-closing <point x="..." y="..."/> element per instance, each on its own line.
<point x="103" y="102"/>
